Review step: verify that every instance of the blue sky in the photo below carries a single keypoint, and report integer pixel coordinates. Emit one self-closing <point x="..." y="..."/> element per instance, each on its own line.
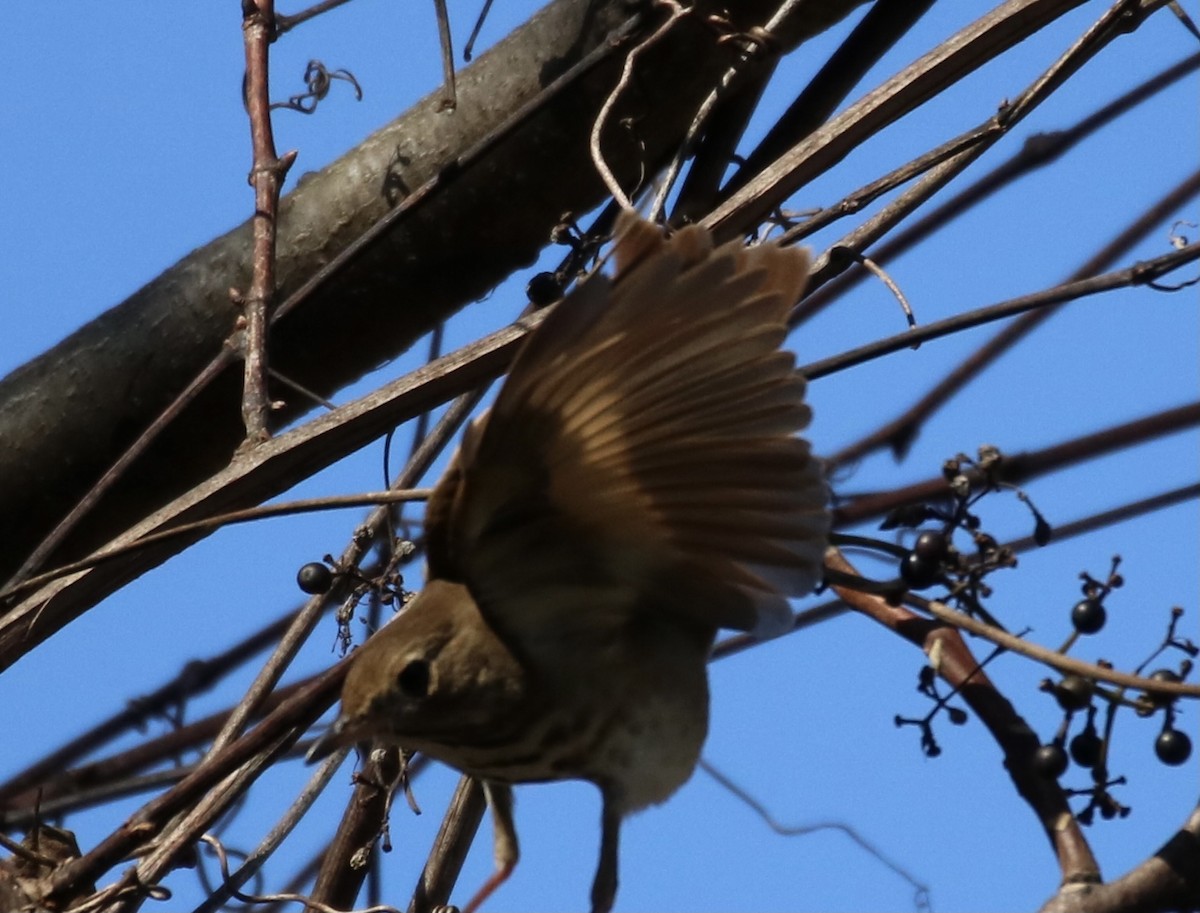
<point x="125" y="146"/>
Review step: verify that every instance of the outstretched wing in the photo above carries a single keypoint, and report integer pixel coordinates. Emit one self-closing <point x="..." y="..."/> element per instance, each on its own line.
<point x="641" y="456"/>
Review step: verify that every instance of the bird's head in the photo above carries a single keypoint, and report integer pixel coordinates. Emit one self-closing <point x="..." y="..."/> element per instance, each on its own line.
<point x="433" y="678"/>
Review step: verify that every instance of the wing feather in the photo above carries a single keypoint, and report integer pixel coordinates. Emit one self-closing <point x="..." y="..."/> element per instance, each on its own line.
<point x="642" y="454"/>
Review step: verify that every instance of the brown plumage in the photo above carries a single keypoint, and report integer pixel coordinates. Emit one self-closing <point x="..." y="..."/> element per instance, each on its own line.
<point x="636" y="486"/>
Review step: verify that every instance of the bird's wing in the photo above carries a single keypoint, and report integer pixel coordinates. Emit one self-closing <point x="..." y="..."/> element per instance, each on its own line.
<point x="642" y="452"/>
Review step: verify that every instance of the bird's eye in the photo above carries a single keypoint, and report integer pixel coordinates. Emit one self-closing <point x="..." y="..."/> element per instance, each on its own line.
<point x="413" y="679"/>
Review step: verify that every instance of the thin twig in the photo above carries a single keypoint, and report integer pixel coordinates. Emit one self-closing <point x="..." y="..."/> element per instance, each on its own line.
<point x="450" y="100"/>
<point x="1029" y="464"/>
<point x="287" y="23"/>
<point x="1112" y="517"/>
<point x="972" y="145"/>
<point x="47" y="546"/>
<point x="598" y="160"/>
<point x="705" y="111"/>
<point x="272" y="736"/>
<point x="196" y="676"/>
<point x="250" y="514"/>
<point x="284" y="826"/>
<point x="946" y="64"/>
<point x="1140" y="274"/>
<point x="900" y="432"/>
<point x="1046" y="656"/>
<point x="876" y="33"/>
<point x="454" y="838"/>
<point x="267" y="176"/>
<point x="921" y="896"/>
<point x="1038" y="151"/>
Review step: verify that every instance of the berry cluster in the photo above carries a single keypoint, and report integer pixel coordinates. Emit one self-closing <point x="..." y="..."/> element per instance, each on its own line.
<point x="934" y="560"/>
<point x="1089" y="748"/>
<point x="317" y="578"/>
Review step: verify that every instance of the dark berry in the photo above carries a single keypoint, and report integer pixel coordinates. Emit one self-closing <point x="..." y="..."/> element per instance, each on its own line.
<point x="1166" y="676"/>
<point x="1050" y="761"/>
<point x="1088" y="616"/>
<point x="1173" y="747"/>
<point x="931" y="545"/>
<point x="1085" y="748"/>
<point x="917" y="572"/>
<point x="543" y="289"/>
<point x="314" y="578"/>
<point x="1074" y="692"/>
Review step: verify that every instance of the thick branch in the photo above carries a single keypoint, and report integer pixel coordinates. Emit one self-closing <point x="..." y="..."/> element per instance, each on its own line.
<point x="1168" y="880"/>
<point x="491" y="180"/>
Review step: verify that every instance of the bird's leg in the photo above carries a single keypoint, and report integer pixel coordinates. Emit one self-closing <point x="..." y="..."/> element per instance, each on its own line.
<point x="604" y="887"/>
<point x="500" y="801"/>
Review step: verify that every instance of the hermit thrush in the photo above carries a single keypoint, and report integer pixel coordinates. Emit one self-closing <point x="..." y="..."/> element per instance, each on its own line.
<point x="636" y="486"/>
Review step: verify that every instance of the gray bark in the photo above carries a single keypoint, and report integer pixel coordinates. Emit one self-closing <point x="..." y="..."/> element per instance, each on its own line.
<point x="66" y="416"/>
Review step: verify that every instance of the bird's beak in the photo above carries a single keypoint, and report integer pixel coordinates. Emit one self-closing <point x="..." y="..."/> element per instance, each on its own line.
<point x="330" y="741"/>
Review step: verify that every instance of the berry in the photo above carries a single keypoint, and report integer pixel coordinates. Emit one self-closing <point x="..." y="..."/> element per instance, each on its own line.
<point x="543" y="289"/>
<point x="1173" y="747"/>
<point x="1085" y="748"/>
<point x="1157" y="698"/>
<point x="917" y="572"/>
<point x="957" y="715"/>
<point x="931" y="545"/>
<point x="1074" y="692"/>
<point x="1088" y="616"/>
<point x="1050" y="761"/>
<point x="314" y="578"/>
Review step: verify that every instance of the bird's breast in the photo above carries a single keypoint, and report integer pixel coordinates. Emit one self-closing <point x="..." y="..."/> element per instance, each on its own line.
<point x="632" y="720"/>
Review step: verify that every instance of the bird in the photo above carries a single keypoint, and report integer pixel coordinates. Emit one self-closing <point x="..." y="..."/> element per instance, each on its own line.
<point x="638" y="484"/>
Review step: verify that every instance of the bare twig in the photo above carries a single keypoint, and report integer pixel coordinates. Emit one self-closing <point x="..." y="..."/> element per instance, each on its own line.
<point x="209" y="524"/>
<point x="267" y="176"/>
<point x="116" y="776"/>
<point x="195" y="678"/>
<point x="253" y="862"/>
<point x="454" y="838"/>
<point x="920" y="889"/>
<point x="450" y="101"/>
<point x="287" y="23"/>
<point x="880" y="29"/>
<point x="1140" y="274"/>
<point x="1038" y="151"/>
<point x="953" y="157"/>
<point x="272" y="736"/>
<point x="598" y="159"/>
<point x="902" y="430"/>
<point x="722" y="92"/>
<point x="950" y="61"/>
<point x="1112" y="517"/>
<point x="1019" y="467"/>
